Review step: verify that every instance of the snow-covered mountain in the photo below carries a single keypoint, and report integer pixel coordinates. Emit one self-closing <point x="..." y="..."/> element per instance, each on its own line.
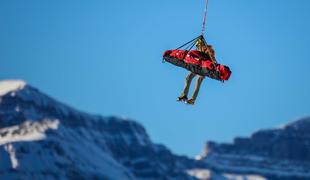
<point x="42" y="138"/>
<point x="280" y="153"/>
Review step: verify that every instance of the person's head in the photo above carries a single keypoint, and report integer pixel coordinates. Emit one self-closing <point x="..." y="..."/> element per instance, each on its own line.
<point x="208" y="49"/>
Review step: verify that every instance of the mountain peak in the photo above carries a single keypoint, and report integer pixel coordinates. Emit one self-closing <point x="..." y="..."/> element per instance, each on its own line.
<point x="11" y="85"/>
<point x="42" y="136"/>
<point x="302" y="124"/>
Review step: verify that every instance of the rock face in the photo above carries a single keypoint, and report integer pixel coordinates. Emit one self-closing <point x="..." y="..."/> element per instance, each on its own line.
<point x="282" y="153"/>
<point x="42" y="138"/>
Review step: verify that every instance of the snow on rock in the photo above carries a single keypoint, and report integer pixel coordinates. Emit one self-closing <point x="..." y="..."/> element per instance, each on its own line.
<point x="279" y="153"/>
<point x="203" y="174"/>
<point x="10" y="149"/>
<point x="207" y="174"/>
<point x="41" y="138"/>
<point x="28" y="131"/>
<point x="243" y="177"/>
<point x="302" y="124"/>
<point x="11" y="85"/>
<point x="63" y="154"/>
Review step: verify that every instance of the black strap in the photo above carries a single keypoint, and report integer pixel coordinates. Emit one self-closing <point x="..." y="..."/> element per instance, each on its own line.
<point x="189" y="46"/>
<point x="193" y="40"/>
<point x="192" y="45"/>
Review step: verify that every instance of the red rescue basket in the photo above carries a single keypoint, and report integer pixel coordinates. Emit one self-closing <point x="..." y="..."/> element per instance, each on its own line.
<point x="197" y="61"/>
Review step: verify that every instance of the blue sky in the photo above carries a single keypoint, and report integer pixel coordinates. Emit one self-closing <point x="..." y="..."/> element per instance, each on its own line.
<point x="104" y="57"/>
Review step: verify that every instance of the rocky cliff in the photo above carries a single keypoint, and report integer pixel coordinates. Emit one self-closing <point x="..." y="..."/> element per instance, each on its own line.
<point x="42" y="138"/>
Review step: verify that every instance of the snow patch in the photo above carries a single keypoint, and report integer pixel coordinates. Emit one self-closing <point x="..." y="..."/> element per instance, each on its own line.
<point x="17" y="109"/>
<point x="202" y="174"/>
<point x="206" y="174"/>
<point x="243" y="164"/>
<point x="243" y="177"/>
<point x="10" y="149"/>
<point x="11" y="85"/>
<point x="28" y="131"/>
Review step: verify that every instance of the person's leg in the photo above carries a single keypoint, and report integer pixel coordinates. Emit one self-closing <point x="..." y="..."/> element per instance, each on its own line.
<point x="196" y="91"/>
<point x="188" y="81"/>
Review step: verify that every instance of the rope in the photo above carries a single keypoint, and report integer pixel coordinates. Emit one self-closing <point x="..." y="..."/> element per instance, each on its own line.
<point x="204" y="18"/>
<point x="202" y="30"/>
<point x="192" y="46"/>
<point x="188" y="42"/>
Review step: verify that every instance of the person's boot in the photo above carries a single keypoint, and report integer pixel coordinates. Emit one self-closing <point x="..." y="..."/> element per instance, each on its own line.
<point x="190" y="101"/>
<point x="182" y="98"/>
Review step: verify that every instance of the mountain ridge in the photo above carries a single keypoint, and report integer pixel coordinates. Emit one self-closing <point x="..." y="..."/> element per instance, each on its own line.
<point x="60" y="142"/>
<point x="68" y="143"/>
